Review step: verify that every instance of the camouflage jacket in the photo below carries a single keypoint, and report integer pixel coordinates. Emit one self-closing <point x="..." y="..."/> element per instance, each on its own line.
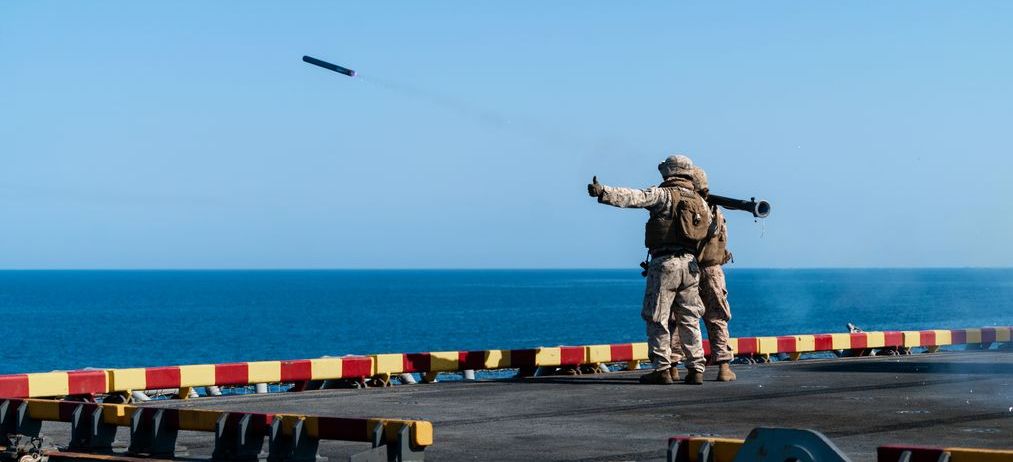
<point x="655" y="199"/>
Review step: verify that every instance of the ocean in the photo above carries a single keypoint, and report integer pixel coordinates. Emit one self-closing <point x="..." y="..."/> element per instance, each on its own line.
<point x="73" y="319"/>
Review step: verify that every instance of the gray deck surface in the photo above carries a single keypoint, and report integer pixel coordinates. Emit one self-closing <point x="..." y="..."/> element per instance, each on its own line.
<point x="942" y="399"/>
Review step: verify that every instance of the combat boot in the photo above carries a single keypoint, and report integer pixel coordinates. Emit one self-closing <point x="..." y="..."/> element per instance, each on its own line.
<point x="674" y="372"/>
<point x="662" y="377"/>
<point x="694" y="378"/>
<point x="725" y="373"/>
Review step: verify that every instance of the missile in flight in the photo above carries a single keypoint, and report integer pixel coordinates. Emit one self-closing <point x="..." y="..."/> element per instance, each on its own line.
<point x="327" y="65"/>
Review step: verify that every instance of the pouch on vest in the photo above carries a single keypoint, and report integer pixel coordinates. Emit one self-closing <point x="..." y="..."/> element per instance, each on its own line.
<point x="688" y="225"/>
<point x="692" y="215"/>
<point x="714" y="250"/>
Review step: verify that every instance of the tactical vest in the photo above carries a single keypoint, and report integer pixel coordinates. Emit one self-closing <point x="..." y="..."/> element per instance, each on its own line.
<point x="687" y="225"/>
<point x="715" y="248"/>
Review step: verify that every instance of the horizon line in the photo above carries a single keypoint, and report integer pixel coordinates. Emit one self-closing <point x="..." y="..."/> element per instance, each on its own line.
<point x="167" y="269"/>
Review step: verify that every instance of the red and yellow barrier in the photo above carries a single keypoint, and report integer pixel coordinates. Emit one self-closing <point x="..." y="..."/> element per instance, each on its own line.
<point x="54" y="384"/>
<point x="152" y="378"/>
<point x="50" y="384"/>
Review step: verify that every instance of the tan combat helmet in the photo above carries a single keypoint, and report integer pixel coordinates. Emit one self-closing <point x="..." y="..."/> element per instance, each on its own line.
<point x="699" y="179"/>
<point x="677" y="165"/>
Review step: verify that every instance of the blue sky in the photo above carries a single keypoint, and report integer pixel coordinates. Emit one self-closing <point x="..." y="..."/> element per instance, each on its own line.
<point x="190" y="135"/>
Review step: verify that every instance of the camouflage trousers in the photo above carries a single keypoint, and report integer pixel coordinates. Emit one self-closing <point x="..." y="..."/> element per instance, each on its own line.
<point x="717" y="313"/>
<point x="672" y="310"/>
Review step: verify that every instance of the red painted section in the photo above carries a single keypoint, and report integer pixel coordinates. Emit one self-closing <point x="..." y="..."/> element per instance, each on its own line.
<point x="232" y="374"/>
<point x="161" y="377"/>
<point x="918" y="453"/>
<point x="787" y="344"/>
<point x="824" y="342"/>
<point x="859" y="340"/>
<point x="523" y="358"/>
<point x="356" y="366"/>
<point x="958" y="336"/>
<point x="14" y="386"/>
<point x="417" y="362"/>
<point x="893" y="338"/>
<point x="987" y="335"/>
<point x="471" y="359"/>
<point x="706" y="348"/>
<point x="927" y="337"/>
<point x="296" y="370"/>
<point x="622" y="352"/>
<point x="571" y="355"/>
<point x="748" y="346"/>
<point x="345" y="429"/>
<point x="86" y="382"/>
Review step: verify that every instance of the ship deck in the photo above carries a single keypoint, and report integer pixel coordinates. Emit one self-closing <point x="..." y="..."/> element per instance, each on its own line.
<point x="941" y="399"/>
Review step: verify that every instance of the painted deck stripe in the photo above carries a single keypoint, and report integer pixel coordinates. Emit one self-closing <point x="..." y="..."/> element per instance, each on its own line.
<point x="356" y="366"/>
<point x="893" y="339"/>
<point x="87" y="382"/>
<point x="297" y="370"/>
<point x="231" y="374"/>
<point x="161" y="377"/>
<point x="48" y="384"/>
<point x="622" y="352"/>
<point x="747" y="346"/>
<point x="787" y="344"/>
<point x="13" y="386"/>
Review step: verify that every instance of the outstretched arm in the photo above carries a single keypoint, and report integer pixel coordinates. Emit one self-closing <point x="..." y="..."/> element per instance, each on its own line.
<point x="626" y="197"/>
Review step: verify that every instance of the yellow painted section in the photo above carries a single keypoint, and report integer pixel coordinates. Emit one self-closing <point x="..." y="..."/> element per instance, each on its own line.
<point x="47" y="384"/>
<point x="766" y="345"/>
<point x="44" y="410"/>
<point x="388" y="363"/>
<point x="325" y="368"/>
<point x="732" y="342"/>
<point x="198" y="420"/>
<point x="973" y="335"/>
<point x="264" y="371"/>
<point x="598" y="353"/>
<point x="117" y="414"/>
<point x="912" y="338"/>
<point x="875" y="339"/>
<point x="444" y="361"/>
<point x="196" y="375"/>
<point x="943" y="337"/>
<point x="722" y="449"/>
<point x="421" y="431"/>
<point x="805" y="343"/>
<point x="547" y="356"/>
<point x="841" y="341"/>
<point x="497" y="359"/>
<point x="980" y="455"/>
<point x="127" y="379"/>
<point x="1002" y="334"/>
<point x="640" y="351"/>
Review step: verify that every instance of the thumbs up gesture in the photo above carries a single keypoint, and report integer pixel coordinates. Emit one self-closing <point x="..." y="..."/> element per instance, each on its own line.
<point x="595" y="189"/>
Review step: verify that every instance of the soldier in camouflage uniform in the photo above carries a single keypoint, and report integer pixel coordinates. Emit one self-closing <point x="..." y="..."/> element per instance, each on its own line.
<point x="713" y="291"/>
<point x="672" y="305"/>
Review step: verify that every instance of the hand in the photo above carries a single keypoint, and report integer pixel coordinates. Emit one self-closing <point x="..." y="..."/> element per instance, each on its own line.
<point x="595" y="189"/>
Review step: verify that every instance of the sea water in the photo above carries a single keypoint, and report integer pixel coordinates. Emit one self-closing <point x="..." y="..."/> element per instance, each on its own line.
<point x="75" y="319"/>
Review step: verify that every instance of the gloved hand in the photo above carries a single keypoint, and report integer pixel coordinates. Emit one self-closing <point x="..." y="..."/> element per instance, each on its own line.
<point x="595" y="189"/>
